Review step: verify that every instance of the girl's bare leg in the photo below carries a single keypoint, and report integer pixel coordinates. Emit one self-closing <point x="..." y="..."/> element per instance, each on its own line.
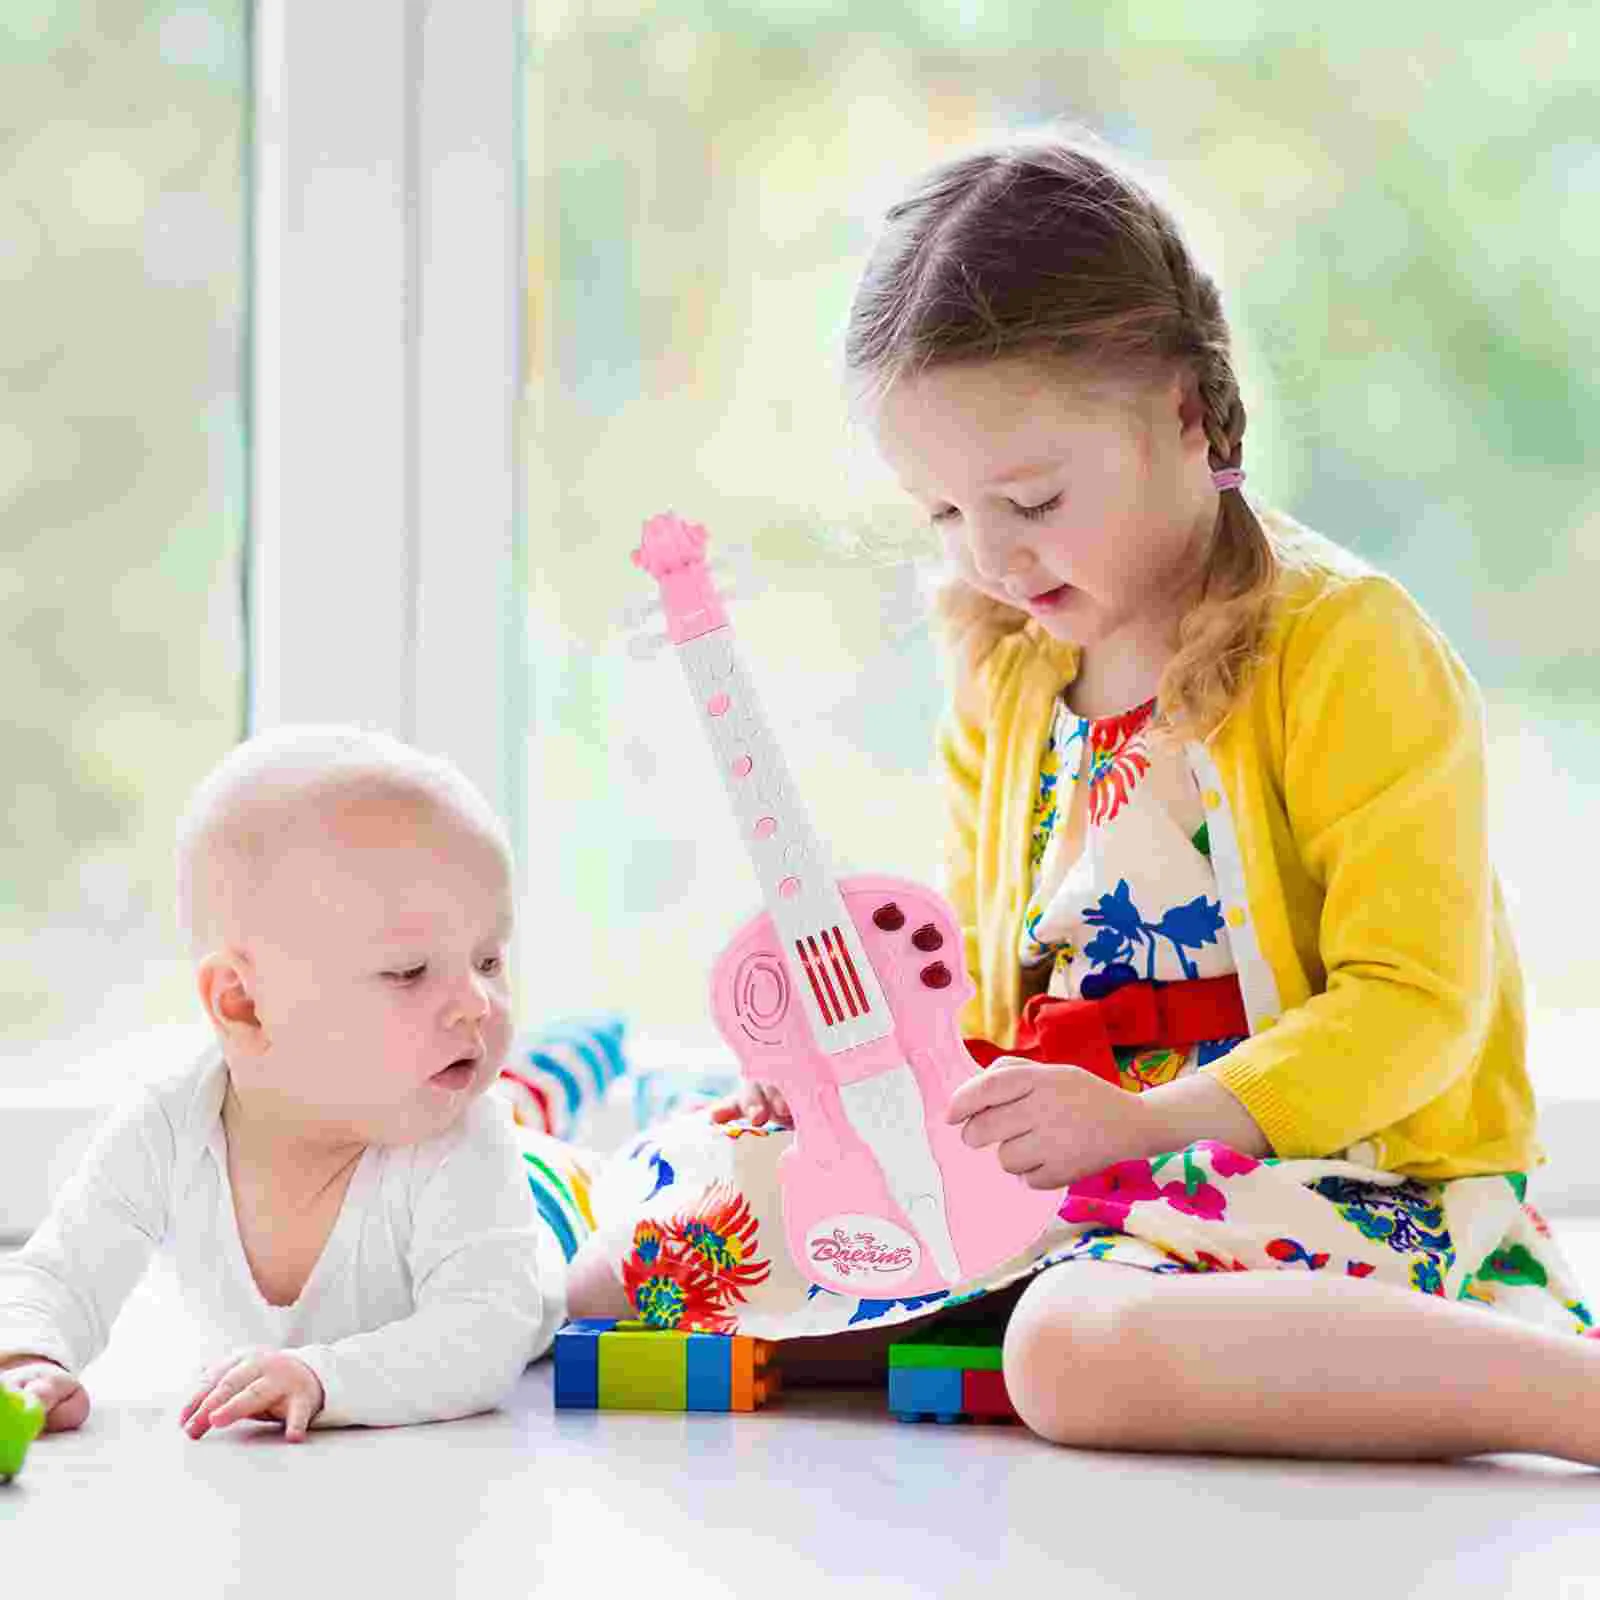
<point x="1286" y="1363"/>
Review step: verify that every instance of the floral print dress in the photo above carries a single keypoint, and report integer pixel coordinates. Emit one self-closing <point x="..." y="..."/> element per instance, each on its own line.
<point x="1123" y="891"/>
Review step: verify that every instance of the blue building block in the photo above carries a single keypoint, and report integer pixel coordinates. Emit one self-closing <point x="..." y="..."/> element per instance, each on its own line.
<point x="578" y="1369"/>
<point x="709" y="1379"/>
<point x="918" y="1392"/>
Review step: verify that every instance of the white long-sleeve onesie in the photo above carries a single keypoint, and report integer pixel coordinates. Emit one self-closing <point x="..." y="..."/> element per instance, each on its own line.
<point x="438" y="1284"/>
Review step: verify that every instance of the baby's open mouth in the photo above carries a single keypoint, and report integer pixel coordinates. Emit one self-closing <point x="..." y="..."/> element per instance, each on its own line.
<point x="458" y="1074"/>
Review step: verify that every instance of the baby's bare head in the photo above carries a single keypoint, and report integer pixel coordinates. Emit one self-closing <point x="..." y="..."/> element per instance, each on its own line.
<point x="348" y="904"/>
<point x="297" y="787"/>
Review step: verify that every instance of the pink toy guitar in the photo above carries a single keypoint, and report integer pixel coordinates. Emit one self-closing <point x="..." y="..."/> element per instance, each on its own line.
<point x="843" y="994"/>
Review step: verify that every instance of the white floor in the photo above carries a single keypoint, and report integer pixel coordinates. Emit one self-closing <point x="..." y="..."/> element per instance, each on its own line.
<point x="823" y="1490"/>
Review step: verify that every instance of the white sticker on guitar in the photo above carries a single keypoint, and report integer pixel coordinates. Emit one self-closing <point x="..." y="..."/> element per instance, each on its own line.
<point x="861" y="1252"/>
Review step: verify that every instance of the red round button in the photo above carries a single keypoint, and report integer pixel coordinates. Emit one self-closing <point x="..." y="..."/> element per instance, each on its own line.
<point x="889" y="917"/>
<point x="927" y="937"/>
<point x="936" y="975"/>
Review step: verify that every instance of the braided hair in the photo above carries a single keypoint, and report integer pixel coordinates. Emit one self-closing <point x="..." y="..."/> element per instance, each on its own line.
<point x="1047" y="249"/>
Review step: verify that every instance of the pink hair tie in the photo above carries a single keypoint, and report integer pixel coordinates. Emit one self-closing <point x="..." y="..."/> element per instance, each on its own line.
<point x="1228" y="477"/>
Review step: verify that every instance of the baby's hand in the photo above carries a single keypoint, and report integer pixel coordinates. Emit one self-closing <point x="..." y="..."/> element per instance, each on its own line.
<point x="755" y="1102"/>
<point x="65" y="1400"/>
<point x="255" y="1383"/>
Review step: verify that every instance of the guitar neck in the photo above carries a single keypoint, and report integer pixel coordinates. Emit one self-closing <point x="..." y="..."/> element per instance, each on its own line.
<point x="826" y="962"/>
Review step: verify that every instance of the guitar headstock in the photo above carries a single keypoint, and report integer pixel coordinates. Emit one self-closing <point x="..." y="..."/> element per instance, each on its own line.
<point x="668" y="543"/>
<point x="672" y="551"/>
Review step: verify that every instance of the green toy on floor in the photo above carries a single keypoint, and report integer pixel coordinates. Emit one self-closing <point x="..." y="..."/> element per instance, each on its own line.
<point x="21" y="1418"/>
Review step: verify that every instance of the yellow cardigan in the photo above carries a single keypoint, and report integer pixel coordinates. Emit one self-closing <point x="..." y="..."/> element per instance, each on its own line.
<point x="1347" y="815"/>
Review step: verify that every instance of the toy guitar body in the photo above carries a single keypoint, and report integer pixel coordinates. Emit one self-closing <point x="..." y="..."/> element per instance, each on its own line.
<point x="844" y="995"/>
<point x="881" y="1196"/>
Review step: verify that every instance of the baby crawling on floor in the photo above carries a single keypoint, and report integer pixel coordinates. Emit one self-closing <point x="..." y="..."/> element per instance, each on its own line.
<point x="347" y="1214"/>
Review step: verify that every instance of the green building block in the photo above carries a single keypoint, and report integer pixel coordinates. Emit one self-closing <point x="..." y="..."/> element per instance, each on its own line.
<point x="972" y="1348"/>
<point x="21" y="1420"/>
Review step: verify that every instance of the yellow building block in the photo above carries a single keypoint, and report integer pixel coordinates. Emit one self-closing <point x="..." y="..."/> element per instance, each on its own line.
<point x="642" y="1370"/>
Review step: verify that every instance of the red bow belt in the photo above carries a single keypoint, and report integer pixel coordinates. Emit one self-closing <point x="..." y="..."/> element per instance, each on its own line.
<point x="1080" y="1033"/>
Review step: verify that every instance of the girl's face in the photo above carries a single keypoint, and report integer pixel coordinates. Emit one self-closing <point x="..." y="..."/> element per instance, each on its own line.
<point x="1089" y="510"/>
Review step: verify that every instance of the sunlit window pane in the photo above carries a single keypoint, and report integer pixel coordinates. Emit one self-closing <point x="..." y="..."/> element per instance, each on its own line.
<point x="121" y="500"/>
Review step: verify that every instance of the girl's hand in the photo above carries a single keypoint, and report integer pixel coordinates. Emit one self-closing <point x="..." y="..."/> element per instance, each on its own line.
<point x="65" y="1400"/>
<point x="755" y="1102"/>
<point x="1053" y="1124"/>
<point x="255" y="1383"/>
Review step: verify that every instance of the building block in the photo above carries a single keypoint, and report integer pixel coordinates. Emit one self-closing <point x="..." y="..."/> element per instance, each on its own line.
<point x="948" y="1373"/>
<point x="983" y="1394"/>
<point x="21" y="1421"/>
<point x="966" y="1348"/>
<point x="919" y="1392"/>
<point x="642" y="1372"/>
<point x="577" y="1357"/>
<point x="603" y="1364"/>
<point x="708" y="1374"/>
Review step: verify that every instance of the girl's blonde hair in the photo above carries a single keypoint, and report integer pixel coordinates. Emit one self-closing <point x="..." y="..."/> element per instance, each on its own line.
<point x="1045" y="249"/>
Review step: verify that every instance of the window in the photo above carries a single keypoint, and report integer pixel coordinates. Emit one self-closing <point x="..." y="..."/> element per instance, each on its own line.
<point x="1398" y="234"/>
<point x="121" y="505"/>
<point x="1396" y="226"/>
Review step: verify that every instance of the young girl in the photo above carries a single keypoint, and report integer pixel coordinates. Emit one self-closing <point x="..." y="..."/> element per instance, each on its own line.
<point x="1219" y="846"/>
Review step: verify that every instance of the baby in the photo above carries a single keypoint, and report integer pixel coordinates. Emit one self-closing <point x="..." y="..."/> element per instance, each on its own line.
<point x="341" y="1202"/>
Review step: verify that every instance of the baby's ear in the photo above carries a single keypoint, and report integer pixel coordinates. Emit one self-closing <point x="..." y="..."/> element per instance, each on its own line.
<point x="225" y="979"/>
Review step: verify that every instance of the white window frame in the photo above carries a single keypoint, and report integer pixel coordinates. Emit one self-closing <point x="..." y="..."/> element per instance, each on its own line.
<point x="386" y="327"/>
